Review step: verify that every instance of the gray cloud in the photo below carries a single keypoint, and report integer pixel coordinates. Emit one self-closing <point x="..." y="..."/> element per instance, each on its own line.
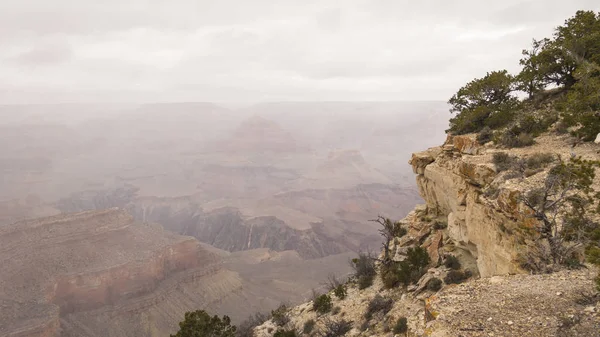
<point x="132" y="50"/>
<point x="45" y="54"/>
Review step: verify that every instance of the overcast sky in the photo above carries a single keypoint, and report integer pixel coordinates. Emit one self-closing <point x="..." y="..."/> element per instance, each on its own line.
<point x="259" y="50"/>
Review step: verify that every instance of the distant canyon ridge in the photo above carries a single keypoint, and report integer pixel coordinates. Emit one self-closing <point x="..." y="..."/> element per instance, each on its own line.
<point x="143" y="212"/>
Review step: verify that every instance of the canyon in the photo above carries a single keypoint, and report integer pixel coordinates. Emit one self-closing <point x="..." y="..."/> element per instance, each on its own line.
<point x="159" y="209"/>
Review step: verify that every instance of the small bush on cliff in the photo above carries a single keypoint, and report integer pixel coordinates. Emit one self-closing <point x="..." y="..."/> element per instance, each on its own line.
<point x="457" y="276"/>
<point x="199" y="324"/>
<point x="335" y="328"/>
<point x="308" y="326"/>
<point x="389" y="275"/>
<point x="389" y="230"/>
<point x="415" y="265"/>
<point x="451" y="262"/>
<point x="434" y="284"/>
<point x="437" y="225"/>
<point x="378" y="304"/>
<point x="563" y="208"/>
<point x="485" y="135"/>
<point x="246" y="328"/>
<point x="322" y="304"/>
<point x="340" y="291"/>
<point x="408" y="271"/>
<point x="539" y="160"/>
<point x="365" y="282"/>
<point x="364" y="270"/>
<point x="512" y="138"/>
<point x="279" y="316"/>
<point x="285" y="333"/>
<point x="401" y="326"/>
<point x="504" y="162"/>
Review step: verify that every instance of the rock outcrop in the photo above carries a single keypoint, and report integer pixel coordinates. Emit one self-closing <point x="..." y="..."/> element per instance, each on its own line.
<point x="450" y="180"/>
<point x="71" y="275"/>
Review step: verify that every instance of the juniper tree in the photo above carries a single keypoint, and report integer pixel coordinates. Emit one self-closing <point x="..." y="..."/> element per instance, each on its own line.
<point x="563" y="206"/>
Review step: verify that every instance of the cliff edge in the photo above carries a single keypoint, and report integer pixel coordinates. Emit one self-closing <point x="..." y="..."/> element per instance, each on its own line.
<point x="477" y="232"/>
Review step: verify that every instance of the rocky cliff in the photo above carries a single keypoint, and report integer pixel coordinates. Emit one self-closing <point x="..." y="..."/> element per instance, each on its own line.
<point x="472" y="211"/>
<point x="71" y="274"/>
<point x="451" y="179"/>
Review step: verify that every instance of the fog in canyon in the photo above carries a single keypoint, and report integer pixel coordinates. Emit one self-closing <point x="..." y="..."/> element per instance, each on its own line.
<point x="134" y="214"/>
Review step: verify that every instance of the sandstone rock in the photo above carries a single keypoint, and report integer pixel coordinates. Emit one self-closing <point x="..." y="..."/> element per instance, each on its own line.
<point x="477" y="174"/>
<point x="466" y="145"/>
<point x="451" y="187"/>
<point x="597" y="141"/>
<point x="422" y="284"/>
<point x="420" y="160"/>
<point x="433" y="248"/>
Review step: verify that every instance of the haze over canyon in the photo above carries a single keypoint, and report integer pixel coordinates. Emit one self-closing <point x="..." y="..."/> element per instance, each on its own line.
<point x="135" y="214"/>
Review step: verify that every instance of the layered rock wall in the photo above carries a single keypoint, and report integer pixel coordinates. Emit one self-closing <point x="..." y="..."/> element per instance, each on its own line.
<point x="451" y="179"/>
<point x="72" y="274"/>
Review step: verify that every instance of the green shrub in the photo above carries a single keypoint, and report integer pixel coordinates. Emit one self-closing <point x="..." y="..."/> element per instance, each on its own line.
<point x="418" y="257"/>
<point x="582" y="104"/>
<point x="401" y="325"/>
<point x="456" y="276"/>
<point x="200" y="323"/>
<point x="414" y="266"/>
<point x="530" y="124"/>
<point x="246" y="328"/>
<point x="365" y="282"/>
<point x="285" y="333"/>
<point x="408" y="271"/>
<point x="279" y="316"/>
<point x="511" y="139"/>
<point x="322" y="304"/>
<point x="389" y="275"/>
<point x="334" y="328"/>
<point x="336" y="310"/>
<point x="364" y="265"/>
<point x="308" y="326"/>
<point x="440" y="225"/>
<point x="452" y="262"/>
<point x="539" y="160"/>
<point x="504" y="162"/>
<point x="340" y="291"/>
<point x="378" y="304"/>
<point x="485" y="135"/>
<point x="434" y="284"/>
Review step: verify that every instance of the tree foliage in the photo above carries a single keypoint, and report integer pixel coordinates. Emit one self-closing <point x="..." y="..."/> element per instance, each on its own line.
<point x="200" y="324"/>
<point x="408" y="271"/>
<point x="364" y="269"/>
<point x="389" y="230"/>
<point x="563" y="206"/>
<point x="569" y="62"/>
<point x="322" y="304"/>
<point x="483" y="102"/>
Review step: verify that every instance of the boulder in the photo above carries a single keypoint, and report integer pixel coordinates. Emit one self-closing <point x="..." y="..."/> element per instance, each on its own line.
<point x="420" y="160"/>
<point x="433" y="248"/>
<point x="597" y="141"/>
<point x="466" y="145"/>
